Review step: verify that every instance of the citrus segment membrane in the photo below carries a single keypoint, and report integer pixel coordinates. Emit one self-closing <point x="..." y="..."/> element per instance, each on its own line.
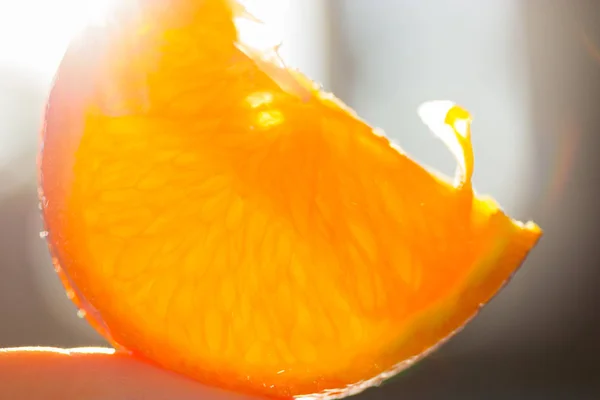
<point x="222" y="224"/>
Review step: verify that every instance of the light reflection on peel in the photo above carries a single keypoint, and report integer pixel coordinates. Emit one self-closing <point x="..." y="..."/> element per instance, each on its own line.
<point x="269" y="119"/>
<point x="258" y="99"/>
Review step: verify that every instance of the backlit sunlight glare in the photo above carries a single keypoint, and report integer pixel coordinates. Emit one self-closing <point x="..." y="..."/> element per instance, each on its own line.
<point x="34" y="34"/>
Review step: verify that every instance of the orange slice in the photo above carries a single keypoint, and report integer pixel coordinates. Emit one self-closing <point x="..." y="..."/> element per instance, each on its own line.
<point x="219" y="215"/>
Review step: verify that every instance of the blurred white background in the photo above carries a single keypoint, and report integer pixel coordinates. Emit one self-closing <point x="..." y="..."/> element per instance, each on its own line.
<point x="533" y="89"/>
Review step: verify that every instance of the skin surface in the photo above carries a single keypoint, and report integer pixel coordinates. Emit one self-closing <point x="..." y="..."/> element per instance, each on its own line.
<point x="94" y="374"/>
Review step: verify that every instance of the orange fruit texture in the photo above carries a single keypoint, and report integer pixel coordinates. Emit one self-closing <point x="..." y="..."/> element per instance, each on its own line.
<point x="218" y="214"/>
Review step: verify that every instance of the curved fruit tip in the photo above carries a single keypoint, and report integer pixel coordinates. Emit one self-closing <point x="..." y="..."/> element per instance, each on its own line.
<point x="452" y="124"/>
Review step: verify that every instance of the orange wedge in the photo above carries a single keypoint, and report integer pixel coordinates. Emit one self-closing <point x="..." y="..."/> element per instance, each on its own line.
<point x="216" y="213"/>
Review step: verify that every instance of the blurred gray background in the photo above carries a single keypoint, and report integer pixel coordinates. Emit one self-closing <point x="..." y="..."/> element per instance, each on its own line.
<point x="528" y="70"/>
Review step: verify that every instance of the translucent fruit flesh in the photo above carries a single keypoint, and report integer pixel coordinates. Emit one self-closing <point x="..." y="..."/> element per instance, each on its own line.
<point x="222" y="217"/>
